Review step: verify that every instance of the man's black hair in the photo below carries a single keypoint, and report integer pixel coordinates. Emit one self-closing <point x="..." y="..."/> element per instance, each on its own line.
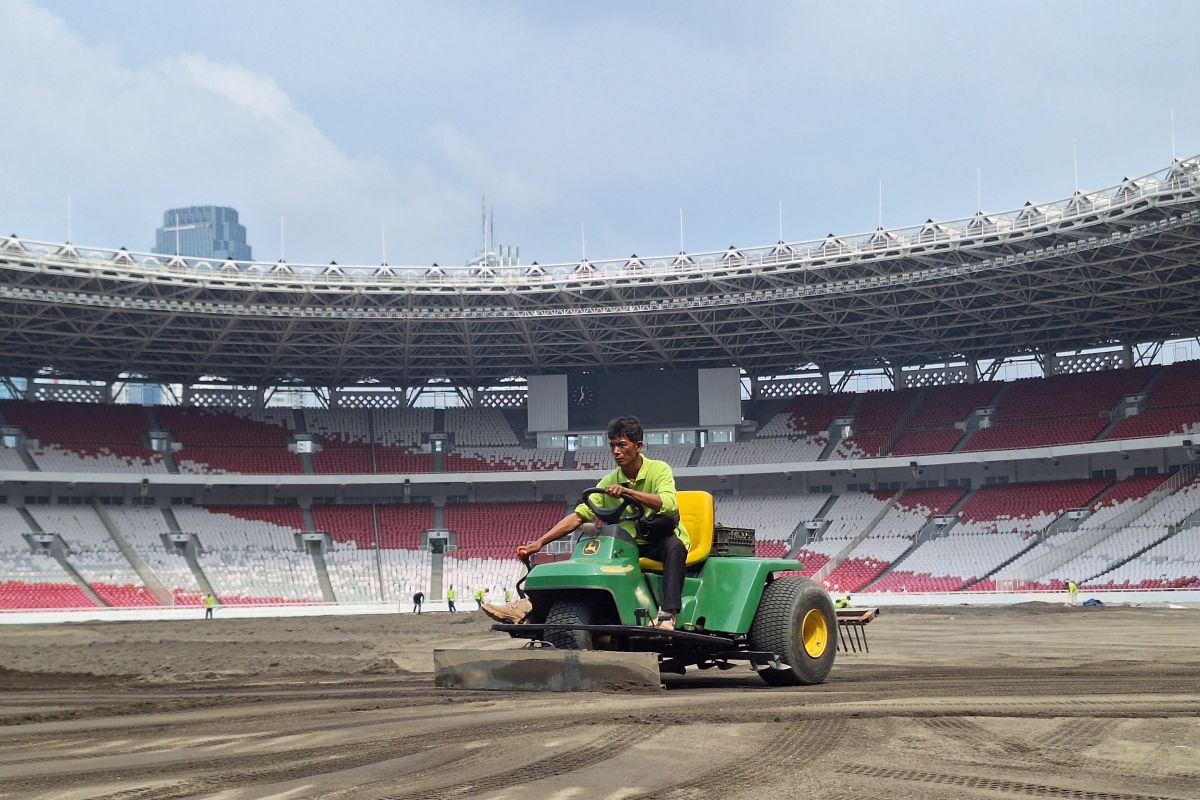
<point x="625" y="426"/>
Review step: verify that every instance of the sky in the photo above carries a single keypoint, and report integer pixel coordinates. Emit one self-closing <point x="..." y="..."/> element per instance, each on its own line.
<point x="357" y="122"/>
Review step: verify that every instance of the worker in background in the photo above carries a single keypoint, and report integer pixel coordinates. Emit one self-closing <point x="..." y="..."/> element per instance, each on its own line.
<point x="480" y="593"/>
<point x="210" y="602"/>
<point x="1073" y="592"/>
<point x="842" y="602"/>
<point x="451" y="596"/>
<point x="507" y="595"/>
<point x="418" y="600"/>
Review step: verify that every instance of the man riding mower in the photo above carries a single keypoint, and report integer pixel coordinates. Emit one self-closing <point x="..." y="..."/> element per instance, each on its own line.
<point x="734" y="607"/>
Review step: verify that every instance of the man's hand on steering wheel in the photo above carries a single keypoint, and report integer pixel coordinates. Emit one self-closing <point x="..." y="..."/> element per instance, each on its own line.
<point x="616" y="490"/>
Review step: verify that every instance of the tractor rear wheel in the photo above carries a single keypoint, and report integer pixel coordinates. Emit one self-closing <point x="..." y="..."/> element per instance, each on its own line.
<point x="570" y="612"/>
<point x="795" y="621"/>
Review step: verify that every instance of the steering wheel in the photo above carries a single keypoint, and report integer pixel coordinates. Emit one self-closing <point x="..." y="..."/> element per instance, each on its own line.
<point x="628" y="510"/>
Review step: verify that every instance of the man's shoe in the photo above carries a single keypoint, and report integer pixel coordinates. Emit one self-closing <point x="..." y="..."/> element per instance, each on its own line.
<point x="511" y="613"/>
<point x="665" y="621"/>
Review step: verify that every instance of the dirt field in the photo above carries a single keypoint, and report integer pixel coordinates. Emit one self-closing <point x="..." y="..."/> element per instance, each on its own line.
<point x="1026" y="701"/>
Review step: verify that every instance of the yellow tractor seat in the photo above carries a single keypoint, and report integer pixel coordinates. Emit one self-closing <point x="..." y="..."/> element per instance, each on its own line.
<point x="696" y="513"/>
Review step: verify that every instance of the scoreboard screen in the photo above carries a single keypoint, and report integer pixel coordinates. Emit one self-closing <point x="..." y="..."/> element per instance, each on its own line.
<point x="659" y="398"/>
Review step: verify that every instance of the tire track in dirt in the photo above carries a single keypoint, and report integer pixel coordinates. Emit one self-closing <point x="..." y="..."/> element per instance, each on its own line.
<point x="811" y="738"/>
<point x="563" y="763"/>
<point x="246" y="770"/>
<point x="994" y="784"/>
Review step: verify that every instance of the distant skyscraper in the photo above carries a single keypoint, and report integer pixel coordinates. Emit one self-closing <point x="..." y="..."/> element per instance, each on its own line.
<point x="202" y="232"/>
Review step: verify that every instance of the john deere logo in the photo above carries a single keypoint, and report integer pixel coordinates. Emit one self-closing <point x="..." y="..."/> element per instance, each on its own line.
<point x="592" y="547"/>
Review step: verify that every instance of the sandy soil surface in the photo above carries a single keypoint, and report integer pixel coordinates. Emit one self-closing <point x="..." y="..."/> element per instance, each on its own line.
<point x="1026" y="701"/>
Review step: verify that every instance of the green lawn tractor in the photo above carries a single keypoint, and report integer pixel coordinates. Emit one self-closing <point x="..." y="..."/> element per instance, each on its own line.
<point x="735" y="607"/>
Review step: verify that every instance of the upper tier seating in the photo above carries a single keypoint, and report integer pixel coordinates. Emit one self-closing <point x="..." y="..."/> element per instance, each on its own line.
<point x="1062" y="409"/>
<point x="1173" y="406"/>
<point x="333" y="459"/>
<point x="1088" y="394"/>
<point x="919" y="443"/>
<point x="339" y="425"/>
<point x="762" y="451"/>
<point x="503" y="459"/>
<point x="876" y="414"/>
<point x="484" y="427"/>
<point x="810" y="415"/>
<point x="1017" y="435"/>
<point x="591" y="458"/>
<point x="247" y="442"/>
<point x="396" y="460"/>
<point x="402" y="427"/>
<point x="85" y="437"/>
<point x="943" y="406"/>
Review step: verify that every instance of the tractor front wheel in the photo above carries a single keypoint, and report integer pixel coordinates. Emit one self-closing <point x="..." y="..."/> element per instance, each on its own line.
<point x="795" y="621"/>
<point x="570" y="612"/>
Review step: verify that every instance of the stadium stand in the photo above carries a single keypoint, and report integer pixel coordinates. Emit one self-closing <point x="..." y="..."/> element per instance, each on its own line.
<point x="487" y="536"/>
<point x="94" y="554"/>
<point x="774" y="518"/>
<point x="402" y="427"/>
<point x="592" y="458"/>
<point x="245" y="442"/>
<point x="875" y="416"/>
<point x="778" y="450"/>
<point x="28" y="580"/>
<point x="401" y="526"/>
<point x="932" y="427"/>
<point x="480" y="427"/>
<point x="851" y="513"/>
<point x="250" y="554"/>
<point x="144" y="528"/>
<point x="1172" y="564"/>
<point x="1061" y="409"/>
<point x="890" y="537"/>
<point x="503" y="459"/>
<point x="950" y="563"/>
<point x="85" y="437"/>
<point x="10" y="459"/>
<point x="1173" y="406"/>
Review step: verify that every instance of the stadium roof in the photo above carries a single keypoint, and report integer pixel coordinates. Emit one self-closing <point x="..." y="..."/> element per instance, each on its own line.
<point x="1121" y="265"/>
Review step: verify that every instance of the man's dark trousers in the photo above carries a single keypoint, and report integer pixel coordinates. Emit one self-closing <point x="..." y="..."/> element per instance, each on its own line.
<point x="673" y="555"/>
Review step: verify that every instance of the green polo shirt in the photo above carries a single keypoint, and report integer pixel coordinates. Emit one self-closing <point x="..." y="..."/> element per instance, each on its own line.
<point x="655" y="477"/>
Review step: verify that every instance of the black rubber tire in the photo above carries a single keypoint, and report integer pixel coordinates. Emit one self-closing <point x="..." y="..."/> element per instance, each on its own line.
<point x="570" y="612"/>
<point x="777" y="629"/>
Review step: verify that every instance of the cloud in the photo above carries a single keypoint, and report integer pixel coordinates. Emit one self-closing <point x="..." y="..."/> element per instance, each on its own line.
<point x="128" y="142"/>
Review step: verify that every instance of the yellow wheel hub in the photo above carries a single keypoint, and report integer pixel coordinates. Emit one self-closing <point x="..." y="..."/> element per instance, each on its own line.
<point x="814" y="632"/>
